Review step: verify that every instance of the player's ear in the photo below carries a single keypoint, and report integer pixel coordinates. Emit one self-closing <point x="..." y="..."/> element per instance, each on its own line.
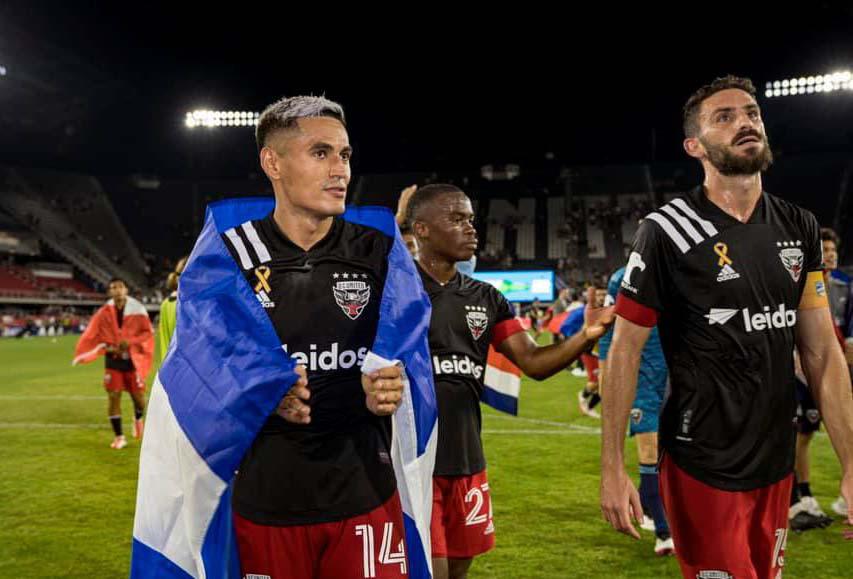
<point x="269" y="163"/>
<point x="420" y="229"/>
<point x="694" y="148"/>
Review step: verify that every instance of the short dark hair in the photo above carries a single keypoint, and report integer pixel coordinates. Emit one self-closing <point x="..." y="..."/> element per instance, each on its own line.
<point x="424" y="196"/>
<point x="117" y="279"/>
<point x="828" y="234"/>
<point x="690" y="113"/>
<point x="284" y="113"/>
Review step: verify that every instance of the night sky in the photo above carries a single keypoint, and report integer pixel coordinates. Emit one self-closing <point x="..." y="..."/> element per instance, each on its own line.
<point x="103" y="87"/>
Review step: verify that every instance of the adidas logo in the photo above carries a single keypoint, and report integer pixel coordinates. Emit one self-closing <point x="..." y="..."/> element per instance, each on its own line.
<point x="727" y="273"/>
<point x="265" y="299"/>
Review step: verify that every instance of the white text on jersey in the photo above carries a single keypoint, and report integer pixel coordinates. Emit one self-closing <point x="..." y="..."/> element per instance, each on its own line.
<point x="330" y="359"/>
<point x="780" y="318"/>
<point x="463" y="366"/>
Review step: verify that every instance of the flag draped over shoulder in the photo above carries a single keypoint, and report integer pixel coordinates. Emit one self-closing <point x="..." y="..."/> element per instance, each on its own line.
<point x="225" y="373"/>
<point x="103" y="330"/>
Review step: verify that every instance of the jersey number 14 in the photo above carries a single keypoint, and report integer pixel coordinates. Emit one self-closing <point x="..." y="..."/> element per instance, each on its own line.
<point x="386" y="557"/>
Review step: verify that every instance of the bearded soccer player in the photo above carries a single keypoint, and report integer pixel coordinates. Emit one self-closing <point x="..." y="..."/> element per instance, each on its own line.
<point x="731" y="276"/>
<point x="467" y="317"/>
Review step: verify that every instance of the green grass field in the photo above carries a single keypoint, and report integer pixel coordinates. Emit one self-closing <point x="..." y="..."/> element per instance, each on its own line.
<point x="67" y="499"/>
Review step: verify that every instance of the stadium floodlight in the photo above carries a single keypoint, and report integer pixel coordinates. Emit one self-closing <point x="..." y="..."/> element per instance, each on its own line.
<point x="821" y="83"/>
<point x="209" y="118"/>
<point x="841" y="80"/>
<point x="2" y="70"/>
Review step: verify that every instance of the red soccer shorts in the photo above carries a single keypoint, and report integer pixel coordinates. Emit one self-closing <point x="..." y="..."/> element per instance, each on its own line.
<point x="725" y="534"/>
<point x="590" y="364"/>
<point x="116" y="381"/>
<point x="368" y="546"/>
<point x="462" y="525"/>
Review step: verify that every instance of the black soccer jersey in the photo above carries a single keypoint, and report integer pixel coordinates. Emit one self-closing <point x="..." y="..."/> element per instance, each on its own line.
<point x="119" y="361"/>
<point x="324" y="305"/>
<point x="467" y="316"/>
<point x="724" y="295"/>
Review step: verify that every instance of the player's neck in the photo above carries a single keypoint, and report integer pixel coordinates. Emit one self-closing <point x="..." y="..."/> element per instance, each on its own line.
<point x="737" y="195"/>
<point x="120" y="303"/>
<point x="302" y="228"/>
<point x="439" y="268"/>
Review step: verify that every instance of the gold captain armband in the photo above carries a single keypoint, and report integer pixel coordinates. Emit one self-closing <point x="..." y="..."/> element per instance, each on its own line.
<point x="814" y="295"/>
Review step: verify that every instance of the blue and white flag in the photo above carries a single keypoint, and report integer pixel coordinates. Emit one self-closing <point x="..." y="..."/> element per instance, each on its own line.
<point x="226" y="372"/>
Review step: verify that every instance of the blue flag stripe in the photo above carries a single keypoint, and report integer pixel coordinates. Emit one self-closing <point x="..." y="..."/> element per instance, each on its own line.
<point x="146" y="562"/>
<point x="405" y="302"/>
<point x="233" y="374"/>
<point x="224" y="375"/>
<point x="500" y="401"/>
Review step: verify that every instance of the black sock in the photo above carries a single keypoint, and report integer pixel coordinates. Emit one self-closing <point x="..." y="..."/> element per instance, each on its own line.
<point x="116" y="422"/>
<point x="137" y="413"/>
<point x="651" y="500"/>
<point x="594" y="400"/>
<point x="795" y="494"/>
<point x="586" y="393"/>
<point x="804" y="489"/>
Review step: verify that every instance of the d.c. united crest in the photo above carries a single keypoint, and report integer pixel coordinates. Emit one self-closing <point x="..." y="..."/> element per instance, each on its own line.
<point x="478" y="320"/>
<point x="792" y="259"/>
<point x="351" y="296"/>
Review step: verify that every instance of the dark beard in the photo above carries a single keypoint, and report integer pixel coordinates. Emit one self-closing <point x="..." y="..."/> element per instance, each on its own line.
<point x="729" y="164"/>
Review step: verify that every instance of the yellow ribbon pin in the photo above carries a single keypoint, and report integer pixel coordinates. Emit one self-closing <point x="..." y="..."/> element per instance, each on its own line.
<point x="263" y="274"/>
<point x="722" y="250"/>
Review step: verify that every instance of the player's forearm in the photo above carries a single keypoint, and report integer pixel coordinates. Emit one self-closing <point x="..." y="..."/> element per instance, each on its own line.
<point x="546" y="361"/>
<point x="623" y="366"/>
<point x="829" y="380"/>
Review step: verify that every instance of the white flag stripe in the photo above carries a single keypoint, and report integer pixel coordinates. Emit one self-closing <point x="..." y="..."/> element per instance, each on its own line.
<point x="706" y="225"/>
<point x="168" y="519"/>
<point x="134" y="307"/>
<point x="503" y="382"/>
<point x="670" y="230"/>
<point x="413" y="472"/>
<point x="240" y="247"/>
<point x="257" y="244"/>
<point x="684" y="223"/>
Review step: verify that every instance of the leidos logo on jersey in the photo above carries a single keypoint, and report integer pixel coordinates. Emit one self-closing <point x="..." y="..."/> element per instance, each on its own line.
<point x="262" y="288"/>
<point x="463" y="366"/>
<point x="331" y="359"/>
<point x="780" y="318"/>
<point x="478" y="320"/>
<point x="792" y="257"/>
<point x="765" y="320"/>
<point x="725" y="262"/>
<point x="351" y="296"/>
